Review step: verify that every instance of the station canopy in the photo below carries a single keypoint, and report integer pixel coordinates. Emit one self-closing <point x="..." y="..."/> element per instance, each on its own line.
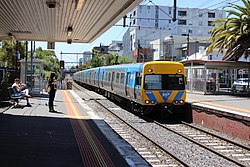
<point x="60" y="20"/>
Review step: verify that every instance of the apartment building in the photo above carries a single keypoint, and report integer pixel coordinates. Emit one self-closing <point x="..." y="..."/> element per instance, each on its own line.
<point x="145" y="21"/>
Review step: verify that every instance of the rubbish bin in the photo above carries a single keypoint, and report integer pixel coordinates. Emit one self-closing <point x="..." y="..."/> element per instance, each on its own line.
<point x="69" y="85"/>
<point x="211" y="87"/>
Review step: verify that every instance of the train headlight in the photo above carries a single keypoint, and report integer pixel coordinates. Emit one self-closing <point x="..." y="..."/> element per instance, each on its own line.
<point x="182" y="101"/>
<point x="147" y="101"/>
<point x="150" y="70"/>
<point x="179" y="70"/>
<point x="152" y="102"/>
<point x="176" y="101"/>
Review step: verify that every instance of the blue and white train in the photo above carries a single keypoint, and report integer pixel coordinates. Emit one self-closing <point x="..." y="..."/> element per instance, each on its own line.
<point x="145" y="87"/>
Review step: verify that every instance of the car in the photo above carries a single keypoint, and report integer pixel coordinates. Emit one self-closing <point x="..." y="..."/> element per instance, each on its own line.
<point x="241" y="85"/>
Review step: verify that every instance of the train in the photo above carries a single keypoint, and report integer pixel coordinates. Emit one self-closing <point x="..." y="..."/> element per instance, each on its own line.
<point x="156" y="86"/>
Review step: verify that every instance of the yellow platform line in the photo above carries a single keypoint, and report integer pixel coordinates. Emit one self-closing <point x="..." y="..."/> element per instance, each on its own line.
<point x="219" y="105"/>
<point x="85" y="131"/>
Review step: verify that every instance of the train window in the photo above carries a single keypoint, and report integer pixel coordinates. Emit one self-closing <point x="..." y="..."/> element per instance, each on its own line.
<point x="109" y="76"/>
<point x="128" y="79"/>
<point x="164" y="82"/>
<point x="117" y="77"/>
<point x="153" y="82"/>
<point x="138" y="78"/>
<point x="102" y="77"/>
<point x="122" y="78"/>
<point x="174" y="82"/>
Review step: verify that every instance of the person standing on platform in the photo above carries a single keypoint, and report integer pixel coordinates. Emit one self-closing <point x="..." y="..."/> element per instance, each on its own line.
<point x="52" y="85"/>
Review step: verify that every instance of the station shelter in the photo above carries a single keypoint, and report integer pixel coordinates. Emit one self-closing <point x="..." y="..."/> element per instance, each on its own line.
<point x="214" y="76"/>
<point x="34" y="76"/>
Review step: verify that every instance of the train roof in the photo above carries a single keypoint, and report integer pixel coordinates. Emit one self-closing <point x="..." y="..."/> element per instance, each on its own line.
<point x="132" y="66"/>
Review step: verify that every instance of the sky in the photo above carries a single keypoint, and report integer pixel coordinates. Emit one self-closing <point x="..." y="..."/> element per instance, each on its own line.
<point x="116" y="32"/>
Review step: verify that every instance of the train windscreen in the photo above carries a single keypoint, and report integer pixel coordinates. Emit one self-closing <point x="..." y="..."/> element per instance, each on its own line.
<point x="164" y="82"/>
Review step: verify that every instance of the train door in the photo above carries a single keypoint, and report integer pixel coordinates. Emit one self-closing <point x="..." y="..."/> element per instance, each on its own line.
<point x="102" y="77"/>
<point x="127" y="84"/>
<point x="98" y="77"/>
<point x="112" y="80"/>
<point x="137" y="87"/>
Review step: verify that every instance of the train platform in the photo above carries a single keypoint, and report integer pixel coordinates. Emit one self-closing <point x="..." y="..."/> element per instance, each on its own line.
<point x="73" y="136"/>
<point x="224" y="113"/>
<point x="231" y="105"/>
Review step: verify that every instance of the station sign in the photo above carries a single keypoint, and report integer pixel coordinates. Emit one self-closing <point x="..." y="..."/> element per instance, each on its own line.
<point x="51" y="45"/>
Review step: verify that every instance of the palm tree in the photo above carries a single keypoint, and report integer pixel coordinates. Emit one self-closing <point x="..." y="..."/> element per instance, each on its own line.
<point x="233" y="33"/>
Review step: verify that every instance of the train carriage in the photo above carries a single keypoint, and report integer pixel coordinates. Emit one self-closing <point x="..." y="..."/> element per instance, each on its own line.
<point x="145" y="87"/>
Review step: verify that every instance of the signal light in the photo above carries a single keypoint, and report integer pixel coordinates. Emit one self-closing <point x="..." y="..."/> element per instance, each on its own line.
<point x="61" y="64"/>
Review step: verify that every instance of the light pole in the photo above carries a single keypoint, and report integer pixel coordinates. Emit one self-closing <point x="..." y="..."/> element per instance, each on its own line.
<point x="187" y="45"/>
<point x="172" y="47"/>
<point x="196" y="48"/>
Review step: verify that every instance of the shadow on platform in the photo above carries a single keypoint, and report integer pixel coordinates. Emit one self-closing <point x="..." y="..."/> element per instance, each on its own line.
<point x="47" y="141"/>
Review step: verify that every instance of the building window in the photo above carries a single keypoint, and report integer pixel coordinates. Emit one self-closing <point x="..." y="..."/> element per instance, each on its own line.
<point x="134" y="13"/>
<point x="211" y="15"/>
<point x="200" y="23"/>
<point x="169" y="21"/>
<point x="182" y="13"/>
<point x="133" y="21"/>
<point x="190" y="31"/>
<point x="156" y="23"/>
<point x="157" y="10"/>
<point x="209" y="23"/>
<point x="200" y="15"/>
<point x="148" y="7"/>
<point x="182" y="22"/>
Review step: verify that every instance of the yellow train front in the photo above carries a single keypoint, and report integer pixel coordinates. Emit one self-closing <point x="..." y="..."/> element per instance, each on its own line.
<point x="163" y="87"/>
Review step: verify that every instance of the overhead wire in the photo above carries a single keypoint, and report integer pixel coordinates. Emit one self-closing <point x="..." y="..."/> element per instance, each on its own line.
<point x="144" y="2"/>
<point x="222" y="2"/>
<point x="196" y="16"/>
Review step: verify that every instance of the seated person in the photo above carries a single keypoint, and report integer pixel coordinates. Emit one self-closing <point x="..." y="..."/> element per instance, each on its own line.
<point x="20" y="87"/>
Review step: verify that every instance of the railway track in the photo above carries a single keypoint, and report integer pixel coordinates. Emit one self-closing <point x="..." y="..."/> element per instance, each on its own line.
<point x="230" y="150"/>
<point x="154" y="151"/>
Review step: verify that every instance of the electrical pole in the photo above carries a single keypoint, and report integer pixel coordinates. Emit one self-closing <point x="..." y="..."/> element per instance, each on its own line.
<point x="31" y="65"/>
<point x="138" y="51"/>
<point x="187" y="45"/>
<point x="26" y="63"/>
<point x="16" y="58"/>
<point x="174" y="13"/>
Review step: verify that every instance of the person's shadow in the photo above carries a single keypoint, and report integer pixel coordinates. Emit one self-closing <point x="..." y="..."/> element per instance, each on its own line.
<point x="57" y="112"/>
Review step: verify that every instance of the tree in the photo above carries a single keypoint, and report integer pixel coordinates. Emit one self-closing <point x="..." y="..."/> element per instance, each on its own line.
<point x="96" y="60"/>
<point x="124" y="60"/>
<point x="8" y="52"/>
<point x="233" y="33"/>
<point x="51" y="62"/>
